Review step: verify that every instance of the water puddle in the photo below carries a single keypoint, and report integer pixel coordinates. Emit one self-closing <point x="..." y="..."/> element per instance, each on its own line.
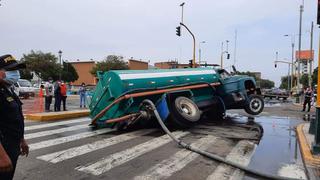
<point x="278" y="152"/>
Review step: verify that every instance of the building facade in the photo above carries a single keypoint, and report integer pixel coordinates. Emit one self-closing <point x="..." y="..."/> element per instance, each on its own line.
<point x="83" y="69"/>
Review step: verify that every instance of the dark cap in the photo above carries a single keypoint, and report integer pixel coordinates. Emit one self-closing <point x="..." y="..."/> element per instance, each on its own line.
<point x="9" y="63"/>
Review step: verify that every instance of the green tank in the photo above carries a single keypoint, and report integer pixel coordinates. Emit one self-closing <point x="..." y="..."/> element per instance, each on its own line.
<point x="119" y="93"/>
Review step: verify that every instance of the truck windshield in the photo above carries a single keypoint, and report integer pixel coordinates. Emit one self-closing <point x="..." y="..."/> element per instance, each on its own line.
<point x="24" y="83"/>
<point x="223" y="73"/>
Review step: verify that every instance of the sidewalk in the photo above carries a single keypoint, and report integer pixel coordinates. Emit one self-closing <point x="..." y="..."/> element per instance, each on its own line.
<point x="61" y="115"/>
<point x="33" y="109"/>
<point x="312" y="162"/>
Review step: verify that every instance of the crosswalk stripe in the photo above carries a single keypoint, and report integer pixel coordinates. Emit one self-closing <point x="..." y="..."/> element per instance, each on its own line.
<point x="56" y="141"/>
<point x="176" y="162"/>
<point x="124" y="156"/>
<point x="55" y="131"/>
<point x="240" y="154"/>
<point x="33" y="127"/>
<point x="84" y="149"/>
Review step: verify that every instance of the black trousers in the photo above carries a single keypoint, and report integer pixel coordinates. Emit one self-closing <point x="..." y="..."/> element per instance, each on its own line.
<point x="48" y="101"/>
<point x="12" y="147"/>
<point x="306" y="101"/>
<point x="63" y="99"/>
<point x="57" y="103"/>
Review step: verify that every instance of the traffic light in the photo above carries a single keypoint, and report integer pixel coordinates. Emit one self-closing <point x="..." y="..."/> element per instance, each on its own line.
<point x="318" y="16"/>
<point x="275" y="65"/>
<point x="178" y="31"/>
<point x="228" y="56"/>
<point x="190" y="63"/>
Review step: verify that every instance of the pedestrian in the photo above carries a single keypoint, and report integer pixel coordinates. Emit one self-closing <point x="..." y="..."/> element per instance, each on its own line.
<point x="63" y="89"/>
<point x="57" y="96"/>
<point x="82" y="93"/>
<point x="307" y="99"/>
<point x="12" y="142"/>
<point x="48" y="94"/>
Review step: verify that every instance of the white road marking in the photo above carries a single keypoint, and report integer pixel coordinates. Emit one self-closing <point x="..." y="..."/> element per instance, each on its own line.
<point x="84" y="149"/>
<point x="55" y="131"/>
<point x="292" y="171"/>
<point x="56" y="141"/>
<point x="33" y="127"/>
<point x="117" y="159"/>
<point x="240" y="154"/>
<point x="176" y="162"/>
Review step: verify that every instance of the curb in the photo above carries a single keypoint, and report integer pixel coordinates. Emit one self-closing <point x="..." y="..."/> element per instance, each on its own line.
<point x="307" y="156"/>
<point x="51" y="116"/>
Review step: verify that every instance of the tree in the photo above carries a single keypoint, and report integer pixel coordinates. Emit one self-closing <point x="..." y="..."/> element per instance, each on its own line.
<point x="263" y="83"/>
<point x="43" y="64"/>
<point x="304" y="80"/>
<point x="284" y="82"/>
<point x="69" y="73"/>
<point x="315" y="76"/>
<point x="26" y="74"/>
<point x="266" y="84"/>
<point x="111" y="62"/>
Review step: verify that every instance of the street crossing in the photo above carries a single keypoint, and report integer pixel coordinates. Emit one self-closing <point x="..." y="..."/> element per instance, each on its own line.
<point x="55" y="147"/>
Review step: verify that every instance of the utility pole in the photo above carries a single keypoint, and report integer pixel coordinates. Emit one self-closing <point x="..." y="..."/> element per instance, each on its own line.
<point x="311" y="58"/>
<point x="299" y="51"/>
<point x="235" y="47"/>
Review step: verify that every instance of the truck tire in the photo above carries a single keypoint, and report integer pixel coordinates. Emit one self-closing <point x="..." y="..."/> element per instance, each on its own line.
<point x="255" y="105"/>
<point x="184" y="112"/>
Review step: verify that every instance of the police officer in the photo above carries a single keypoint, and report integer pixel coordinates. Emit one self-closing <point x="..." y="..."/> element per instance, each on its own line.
<point x="12" y="142"/>
<point x="307" y="99"/>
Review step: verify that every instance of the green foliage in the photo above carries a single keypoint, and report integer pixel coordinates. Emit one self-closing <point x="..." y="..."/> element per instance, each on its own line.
<point x="304" y="80"/>
<point x="266" y="84"/>
<point x="284" y="82"/>
<point x="69" y="73"/>
<point x="262" y="83"/>
<point x="26" y="74"/>
<point x="315" y="76"/>
<point x="43" y="64"/>
<point x="111" y="62"/>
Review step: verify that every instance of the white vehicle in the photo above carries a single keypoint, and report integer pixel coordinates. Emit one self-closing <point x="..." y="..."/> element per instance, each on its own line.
<point x="24" y="88"/>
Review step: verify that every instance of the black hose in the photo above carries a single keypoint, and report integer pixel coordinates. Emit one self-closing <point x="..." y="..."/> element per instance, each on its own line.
<point x="210" y="155"/>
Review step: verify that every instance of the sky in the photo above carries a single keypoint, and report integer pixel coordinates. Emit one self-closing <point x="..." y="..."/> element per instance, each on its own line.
<point x="145" y="29"/>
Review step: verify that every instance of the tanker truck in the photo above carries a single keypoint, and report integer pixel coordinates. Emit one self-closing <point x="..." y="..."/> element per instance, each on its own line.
<point x="181" y="96"/>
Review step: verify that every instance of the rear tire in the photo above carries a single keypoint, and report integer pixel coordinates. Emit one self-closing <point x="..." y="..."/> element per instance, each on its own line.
<point x="184" y="112"/>
<point x="255" y="106"/>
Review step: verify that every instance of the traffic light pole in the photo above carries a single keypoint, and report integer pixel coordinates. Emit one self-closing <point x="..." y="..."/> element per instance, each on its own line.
<point x="194" y="46"/>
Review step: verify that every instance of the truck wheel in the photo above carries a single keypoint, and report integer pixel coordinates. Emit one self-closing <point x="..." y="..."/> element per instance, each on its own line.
<point x="255" y="105"/>
<point x="184" y="112"/>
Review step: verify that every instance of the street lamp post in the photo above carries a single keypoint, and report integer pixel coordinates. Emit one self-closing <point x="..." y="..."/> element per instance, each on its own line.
<point x="202" y="42"/>
<point x="60" y="55"/>
<point x="292" y="57"/>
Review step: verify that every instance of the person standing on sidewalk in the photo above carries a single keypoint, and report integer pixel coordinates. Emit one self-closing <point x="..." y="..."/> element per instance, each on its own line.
<point x="82" y="93"/>
<point x="12" y="142"/>
<point x="307" y="99"/>
<point x="57" y="96"/>
<point x="48" y="94"/>
<point x="63" y="89"/>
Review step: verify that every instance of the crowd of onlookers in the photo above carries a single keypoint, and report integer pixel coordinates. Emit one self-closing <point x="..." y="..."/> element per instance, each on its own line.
<point x="58" y="90"/>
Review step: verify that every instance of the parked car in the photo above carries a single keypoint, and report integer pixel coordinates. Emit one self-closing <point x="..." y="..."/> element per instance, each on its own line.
<point x="276" y="93"/>
<point x="24" y="88"/>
